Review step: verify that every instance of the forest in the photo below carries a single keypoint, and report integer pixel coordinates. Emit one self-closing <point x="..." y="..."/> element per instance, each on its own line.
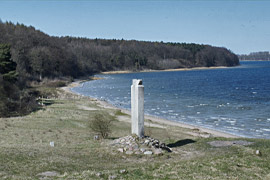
<point x="33" y="56"/>
<point x="39" y="55"/>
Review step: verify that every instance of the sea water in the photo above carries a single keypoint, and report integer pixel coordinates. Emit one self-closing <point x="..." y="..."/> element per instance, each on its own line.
<point x="234" y="100"/>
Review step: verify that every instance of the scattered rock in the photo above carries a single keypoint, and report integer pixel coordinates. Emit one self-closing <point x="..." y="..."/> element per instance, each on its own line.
<point x="258" y="153"/>
<point x="52" y="144"/>
<point x="167" y="149"/>
<point x="129" y="152"/>
<point x="146" y="141"/>
<point x="138" y="152"/>
<point x="157" y="151"/>
<point x="142" y="149"/>
<point x="112" y="177"/>
<point x="99" y="174"/>
<point x="148" y="153"/>
<point x="123" y="171"/>
<point x="120" y="150"/>
<point x="135" y="145"/>
<point x="96" y="137"/>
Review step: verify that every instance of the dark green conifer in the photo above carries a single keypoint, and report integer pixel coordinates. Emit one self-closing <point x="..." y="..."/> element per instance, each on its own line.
<point x="7" y="66"/>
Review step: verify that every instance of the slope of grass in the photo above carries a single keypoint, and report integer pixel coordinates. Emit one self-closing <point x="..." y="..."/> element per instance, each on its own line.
<point x="25" y="149"/>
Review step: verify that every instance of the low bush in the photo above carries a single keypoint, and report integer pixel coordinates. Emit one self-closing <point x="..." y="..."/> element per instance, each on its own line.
<point x="101" y="124"/>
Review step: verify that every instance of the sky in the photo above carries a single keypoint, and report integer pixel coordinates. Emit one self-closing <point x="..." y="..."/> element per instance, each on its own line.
<point x="241" y="26"/>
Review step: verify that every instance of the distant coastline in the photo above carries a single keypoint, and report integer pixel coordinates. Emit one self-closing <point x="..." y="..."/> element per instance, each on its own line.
<point x="254" y="60"/>
<point x="261" y="56"/>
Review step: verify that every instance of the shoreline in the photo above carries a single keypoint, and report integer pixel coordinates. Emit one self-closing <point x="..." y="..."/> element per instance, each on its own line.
<point x="155" y="121"/>
<point x="165" y="70"/>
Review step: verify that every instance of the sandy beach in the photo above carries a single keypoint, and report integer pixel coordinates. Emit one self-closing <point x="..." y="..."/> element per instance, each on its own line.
<point x="178" y="69"/>
<point x="155" y="121"/>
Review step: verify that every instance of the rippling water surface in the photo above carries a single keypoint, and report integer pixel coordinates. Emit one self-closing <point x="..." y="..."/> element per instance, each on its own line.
<point x="234" y="100"/>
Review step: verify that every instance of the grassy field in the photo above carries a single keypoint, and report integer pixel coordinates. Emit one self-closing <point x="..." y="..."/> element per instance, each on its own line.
<point x="25" y="149"/>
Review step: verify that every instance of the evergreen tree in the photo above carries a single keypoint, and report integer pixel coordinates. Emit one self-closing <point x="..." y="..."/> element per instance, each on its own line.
<point x="7" y="66"/>
<point x="8" y="76"/>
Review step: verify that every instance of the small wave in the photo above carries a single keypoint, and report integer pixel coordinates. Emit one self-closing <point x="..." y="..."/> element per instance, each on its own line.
<point x="235" y="128"/>
<point x="221" y="105"/>
<point x="215" y="118"/>
<point x="268" y="130"/>
<point x="231" y="121"/>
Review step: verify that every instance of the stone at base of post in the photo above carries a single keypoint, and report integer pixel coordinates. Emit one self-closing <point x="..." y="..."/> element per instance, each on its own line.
<point x="137" y="108"/>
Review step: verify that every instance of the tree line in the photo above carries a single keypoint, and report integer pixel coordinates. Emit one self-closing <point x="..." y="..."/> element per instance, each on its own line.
<point x="39" y="55"/>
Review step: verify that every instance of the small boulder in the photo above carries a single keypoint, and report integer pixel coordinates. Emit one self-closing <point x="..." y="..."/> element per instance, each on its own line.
<point x="162" y="145"/>
<point x="99" y="174"/>
<point x="120" y="150"/>
<point x="258" y="153"/>
<point x="138" y="152"/>
<point x="148" y="153"/>
<point x="146" y="141"/>
<point x="96" y="137"/>
<point x="112" y="177"/>
<point x="157" y="151"/>
<point x="142" y="150"/>
<point x="123" y="171"/>
<point x="129" y="152"/>
<point x="52" y="144"/>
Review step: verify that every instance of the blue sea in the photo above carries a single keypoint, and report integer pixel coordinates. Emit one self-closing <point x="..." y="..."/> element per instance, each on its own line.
<point x="234" y="100"/>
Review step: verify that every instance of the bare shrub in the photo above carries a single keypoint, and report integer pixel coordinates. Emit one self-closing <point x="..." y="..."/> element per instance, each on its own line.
<point x="101" y="124"/>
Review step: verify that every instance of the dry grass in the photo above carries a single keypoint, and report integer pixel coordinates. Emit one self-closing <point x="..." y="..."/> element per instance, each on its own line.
<point x="25" y="149"/>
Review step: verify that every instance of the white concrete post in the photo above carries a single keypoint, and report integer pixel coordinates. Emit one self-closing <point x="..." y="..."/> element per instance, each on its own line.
<point x="137" y="107"/>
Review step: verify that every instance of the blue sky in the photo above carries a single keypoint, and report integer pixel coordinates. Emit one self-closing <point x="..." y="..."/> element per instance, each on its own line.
<point x="241" y="26"/>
